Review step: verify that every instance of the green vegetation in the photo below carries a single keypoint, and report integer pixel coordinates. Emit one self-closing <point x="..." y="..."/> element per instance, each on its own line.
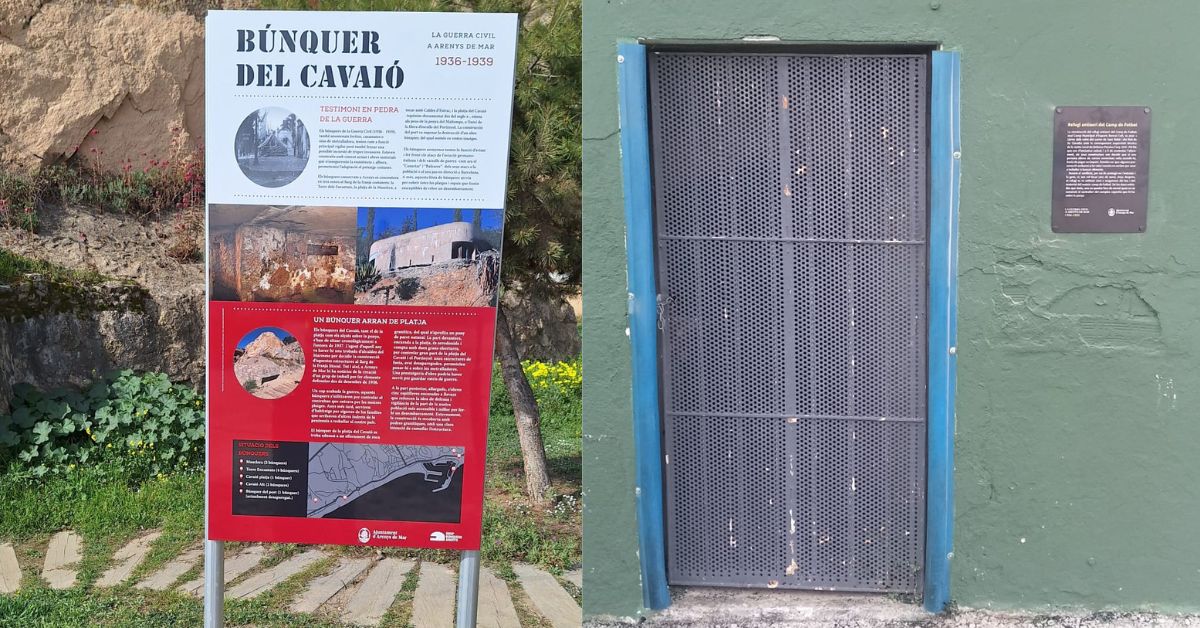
<point x="149" y="189"/>
<point x="13" y="269"/>
<point x="138" y="426"/>
<point x="113" y="497"/>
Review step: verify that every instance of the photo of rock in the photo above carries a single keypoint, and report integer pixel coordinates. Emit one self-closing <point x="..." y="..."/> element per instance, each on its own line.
<point x="428" y="256"/>
<point x="297" y="254"/>
<point x="268" y="362"/>
<point x="272" y="147"/>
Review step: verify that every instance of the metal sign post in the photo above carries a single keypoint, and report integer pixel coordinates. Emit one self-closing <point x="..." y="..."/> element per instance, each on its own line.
<point x="468" y="589"/>
<point x="214" y="584"/>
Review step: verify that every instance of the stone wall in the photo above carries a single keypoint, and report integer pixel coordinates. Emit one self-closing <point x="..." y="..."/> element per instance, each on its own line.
<point x="54" y="335"/>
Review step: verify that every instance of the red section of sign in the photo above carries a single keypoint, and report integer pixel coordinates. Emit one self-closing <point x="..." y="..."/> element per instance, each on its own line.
<point x="348" y="424"/>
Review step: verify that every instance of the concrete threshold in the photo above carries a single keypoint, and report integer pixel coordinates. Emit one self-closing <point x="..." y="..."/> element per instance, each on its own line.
<point x="712" y="607"/>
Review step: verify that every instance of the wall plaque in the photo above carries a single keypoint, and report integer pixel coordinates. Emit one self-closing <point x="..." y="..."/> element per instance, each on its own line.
<point x="1101" y="169"/>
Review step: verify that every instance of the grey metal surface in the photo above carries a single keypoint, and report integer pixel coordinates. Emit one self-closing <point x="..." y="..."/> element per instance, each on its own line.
<point x="468" y="590"/>
<point x="790" y="202"/>
<point x="214" y="584"/>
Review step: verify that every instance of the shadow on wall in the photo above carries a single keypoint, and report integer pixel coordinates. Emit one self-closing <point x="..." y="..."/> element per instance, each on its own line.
<point x="52" y="339"/>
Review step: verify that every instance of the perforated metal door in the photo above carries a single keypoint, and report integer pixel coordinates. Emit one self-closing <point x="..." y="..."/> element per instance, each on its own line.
<point x="790" y="200"/>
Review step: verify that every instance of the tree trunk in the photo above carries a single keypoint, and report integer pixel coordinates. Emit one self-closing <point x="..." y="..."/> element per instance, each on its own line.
<point x="529" y="419"/>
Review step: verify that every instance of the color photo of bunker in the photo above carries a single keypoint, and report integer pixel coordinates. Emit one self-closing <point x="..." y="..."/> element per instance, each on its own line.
<point x="428" y="256"/>
<point x="268" y="362"/>
<point x="289" y="254"/>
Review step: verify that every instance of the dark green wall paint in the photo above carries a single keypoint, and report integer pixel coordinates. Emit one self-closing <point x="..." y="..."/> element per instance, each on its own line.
<point x="1078" y="477"/>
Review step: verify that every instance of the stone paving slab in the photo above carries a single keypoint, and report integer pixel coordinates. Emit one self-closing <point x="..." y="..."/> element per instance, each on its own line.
<point x="575" y="577"/>
<point x="375" y="595"/>
<point x="10" y="570"/>
<point x="235" y="566"/>
<point x="321" y="589"/>
<point x="63" y="554"/>
<point x="433" y="602"/>
<point x="262" y="582"/>
<point x="548" y="597"/>
<point x="496" y="608"/>
<point x="127" y="559"/>
<point x="166" y="576"/>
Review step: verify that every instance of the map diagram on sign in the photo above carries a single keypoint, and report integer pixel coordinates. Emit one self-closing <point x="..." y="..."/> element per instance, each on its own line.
<point x="385" y="482"/>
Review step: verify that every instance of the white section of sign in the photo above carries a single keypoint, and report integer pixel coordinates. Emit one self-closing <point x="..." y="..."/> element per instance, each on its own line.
<point x="359" y="108"/>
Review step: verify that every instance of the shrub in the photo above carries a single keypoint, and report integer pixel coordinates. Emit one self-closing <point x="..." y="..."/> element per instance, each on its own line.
<point x="135" y="425"/>
<point x="557" y="387"/>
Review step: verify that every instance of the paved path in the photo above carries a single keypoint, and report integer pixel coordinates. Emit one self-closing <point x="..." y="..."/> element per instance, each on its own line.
<point x="10" y="571"/>
<point x="127" y="559"/>
<point x="166" y="576"/>
<point x="554" y="603"/>
<point x="264" y="581"/>
<point x="433" y="603"/>
<point x="361" y="590"/>
<point x="324" y="587"/>
<point x="374" y="597"/>
<point x="235" y="566"/>
<point x="62" y="556"/>
<point x="496" y="608"/>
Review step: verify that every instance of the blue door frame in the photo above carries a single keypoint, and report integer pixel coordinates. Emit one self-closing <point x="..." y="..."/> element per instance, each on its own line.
<point x="643" y="323"/>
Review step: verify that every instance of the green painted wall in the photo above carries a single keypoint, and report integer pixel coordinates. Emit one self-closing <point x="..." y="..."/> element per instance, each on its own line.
<point x="1078" y="477"/>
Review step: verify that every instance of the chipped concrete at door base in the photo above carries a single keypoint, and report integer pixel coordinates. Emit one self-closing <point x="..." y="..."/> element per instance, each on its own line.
<point x="709" y="607"/>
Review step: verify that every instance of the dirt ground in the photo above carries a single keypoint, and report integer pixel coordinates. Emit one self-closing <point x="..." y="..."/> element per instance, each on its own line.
<point x="704" y="607"/>
<point x="111" y="243"/>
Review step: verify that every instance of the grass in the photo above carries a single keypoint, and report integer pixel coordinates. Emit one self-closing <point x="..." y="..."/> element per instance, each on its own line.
<point x="13" y="268"/>
<point x="108" y="511"/>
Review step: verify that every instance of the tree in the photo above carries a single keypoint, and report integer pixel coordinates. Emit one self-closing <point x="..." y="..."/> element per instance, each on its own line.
<point x="457" y="215"/>
<point x="410" y="223"/>
<point x="542" y="235"/>
<point x="543" y="231"/>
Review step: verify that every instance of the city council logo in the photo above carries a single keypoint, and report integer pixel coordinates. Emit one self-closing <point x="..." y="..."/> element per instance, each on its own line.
<point x="364" y="535"/>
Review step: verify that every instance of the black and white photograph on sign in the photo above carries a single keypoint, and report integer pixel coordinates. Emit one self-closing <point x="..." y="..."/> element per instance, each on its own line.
<point x="272" y="147"/>
<point x="385" y="482"/>
<point x="268" y="362"/>
<point x="291" y="254"/>
<point x="428" y="256"/>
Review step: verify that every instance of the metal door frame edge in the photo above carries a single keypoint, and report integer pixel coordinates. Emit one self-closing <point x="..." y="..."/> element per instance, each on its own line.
<point x="643" y="326"/>
<point x="944" y="171"/>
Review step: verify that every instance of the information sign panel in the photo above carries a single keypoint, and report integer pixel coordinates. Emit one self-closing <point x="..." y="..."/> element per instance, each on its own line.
<point x="356" y="168"/>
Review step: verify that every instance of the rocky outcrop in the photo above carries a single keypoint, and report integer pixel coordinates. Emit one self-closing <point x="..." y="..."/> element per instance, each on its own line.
<point x="107" y="83"/>
<point x="150" y="317"/>
<point x="54" y="334"/>
<point x="267" y="343"/>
